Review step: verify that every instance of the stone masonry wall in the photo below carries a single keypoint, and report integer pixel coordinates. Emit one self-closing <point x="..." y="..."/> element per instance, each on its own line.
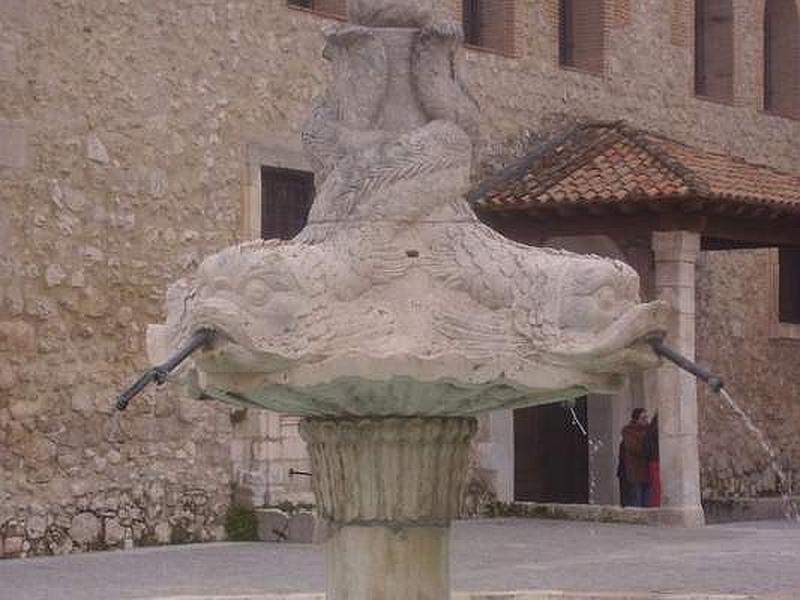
<point x="762" y="373"/>
<point x="123" y="167"/>
<point x="123" y="135"/>
<point x="648" y="81"/>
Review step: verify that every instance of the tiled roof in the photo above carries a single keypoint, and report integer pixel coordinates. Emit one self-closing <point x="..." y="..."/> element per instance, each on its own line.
<point x="613" y="165"/>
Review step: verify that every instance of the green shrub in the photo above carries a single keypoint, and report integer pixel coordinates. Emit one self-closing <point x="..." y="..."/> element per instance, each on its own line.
<point x="241" y="524"/>
<point x="179" y="535"/>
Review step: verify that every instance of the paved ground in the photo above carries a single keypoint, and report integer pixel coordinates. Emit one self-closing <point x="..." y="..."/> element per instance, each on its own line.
<point x="762" y="559"/>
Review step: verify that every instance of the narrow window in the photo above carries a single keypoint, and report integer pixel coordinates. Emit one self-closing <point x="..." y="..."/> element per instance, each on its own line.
<point x="713" y="58"/>
<point x="789" y="285"/>
<point x="286" y="198"/>
<point x="581" y="34"/>
<point x="335" y="8"/>
<point x="490" y="24"/>
<point x="781" y="64"/>
<point x="565" y="33"/>
<point x="472" y="22"/>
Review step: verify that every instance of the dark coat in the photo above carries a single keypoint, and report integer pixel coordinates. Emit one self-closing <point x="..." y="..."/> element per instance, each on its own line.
<point x="634" y="457"/>
<point x="651" y="441"/>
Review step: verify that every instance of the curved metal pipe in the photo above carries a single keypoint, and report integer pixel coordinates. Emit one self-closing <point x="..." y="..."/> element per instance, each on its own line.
<point x="202" y="337"/>
<point x="687" y="365"/>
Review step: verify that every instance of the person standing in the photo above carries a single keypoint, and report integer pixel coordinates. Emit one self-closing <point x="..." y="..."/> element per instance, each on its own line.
<point x="623" y="485"/>
<point x="651" y="451"/>
<point x="635" y="460"/>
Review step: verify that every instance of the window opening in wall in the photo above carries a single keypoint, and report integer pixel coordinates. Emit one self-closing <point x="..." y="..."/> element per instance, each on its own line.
<point x="789" y="285"/>
<point x="713" y="58"/>
<point x="565" y="41"/>
<point x="490" y="24"/>
<point x="336" y="8"/>
<point x="286" y="197"/>
<point x="781" y="64"/>
<point x="581" y="34"/>
<point x="472" y="22"/>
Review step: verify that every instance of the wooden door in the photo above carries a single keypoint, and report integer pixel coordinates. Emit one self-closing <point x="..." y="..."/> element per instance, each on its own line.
<point x="551" y="454"/>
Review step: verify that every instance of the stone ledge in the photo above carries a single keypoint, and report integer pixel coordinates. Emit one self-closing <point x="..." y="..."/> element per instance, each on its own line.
<point x="730" y="510"/>
<point x="302" y="527"/>
<point x="600" y="513"/>
<point x="531" y="595"/>
<point x="271" y="519"/>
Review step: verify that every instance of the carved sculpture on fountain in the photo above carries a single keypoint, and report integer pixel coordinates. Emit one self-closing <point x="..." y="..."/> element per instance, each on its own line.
<point x="394" y="287"/>
<point x="395" y="315"/>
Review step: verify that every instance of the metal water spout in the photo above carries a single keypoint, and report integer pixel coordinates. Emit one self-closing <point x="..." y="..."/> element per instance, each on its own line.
<point x="687" y="365"/>
<point x="201" y="338"/>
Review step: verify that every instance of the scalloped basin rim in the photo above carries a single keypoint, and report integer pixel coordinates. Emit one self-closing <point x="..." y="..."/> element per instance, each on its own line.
<point x="398" y="396"/>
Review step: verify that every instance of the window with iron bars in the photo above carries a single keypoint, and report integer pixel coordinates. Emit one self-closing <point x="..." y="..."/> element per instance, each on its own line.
<point x="286" y="197"/>
<point x="334" y="8"/>
<point x="781" y="60"/>
<point x="581" y="43"/>
<point x="490" y="24"/>
<point x="789" y="285"/>
<point x="713" y="57"/>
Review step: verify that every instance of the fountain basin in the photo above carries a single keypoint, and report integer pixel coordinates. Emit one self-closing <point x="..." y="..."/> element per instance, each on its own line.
<point x="413" y="383"/>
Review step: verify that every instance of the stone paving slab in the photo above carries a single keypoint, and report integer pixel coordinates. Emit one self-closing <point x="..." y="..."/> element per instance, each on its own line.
<point x="533" y="595"/>
<point x="583" y="561"/>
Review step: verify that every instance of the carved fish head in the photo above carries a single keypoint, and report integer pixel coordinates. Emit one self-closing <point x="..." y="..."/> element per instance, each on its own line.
<point x="603" y="325"/>
<point x="248" y="294"/>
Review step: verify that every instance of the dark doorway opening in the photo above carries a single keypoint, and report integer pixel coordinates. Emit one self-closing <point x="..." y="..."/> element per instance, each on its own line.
<point x="551" y="454"/>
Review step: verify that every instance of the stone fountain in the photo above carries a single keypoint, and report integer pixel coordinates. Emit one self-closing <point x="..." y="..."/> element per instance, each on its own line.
<point x="395" y="316"/>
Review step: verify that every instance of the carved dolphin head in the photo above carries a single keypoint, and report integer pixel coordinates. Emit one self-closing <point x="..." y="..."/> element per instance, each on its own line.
<point x="603" y="326"/>
<point x="248" y="294"/>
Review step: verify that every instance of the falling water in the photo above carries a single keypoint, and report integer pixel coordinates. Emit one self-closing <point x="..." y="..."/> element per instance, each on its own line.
<point x="114" y="432"/>
<point x="576" y="421"/>
<point x="792" y="511"/>
<point x="594" y="446"/>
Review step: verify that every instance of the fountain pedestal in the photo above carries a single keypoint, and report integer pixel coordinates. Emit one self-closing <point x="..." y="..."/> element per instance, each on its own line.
<point x="389" y="488"/>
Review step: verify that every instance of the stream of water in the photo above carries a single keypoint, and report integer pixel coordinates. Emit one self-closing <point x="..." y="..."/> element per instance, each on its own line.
<point x="791" y="508"/>
<point x="792" y="511"/>
<point x="114" y="433"/>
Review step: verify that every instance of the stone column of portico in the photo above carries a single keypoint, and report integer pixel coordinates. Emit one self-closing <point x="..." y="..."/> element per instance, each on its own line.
<point x="676" y="254"/>
<point x="389" y="488"/>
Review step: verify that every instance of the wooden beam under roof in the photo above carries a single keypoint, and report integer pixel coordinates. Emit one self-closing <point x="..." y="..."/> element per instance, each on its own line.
<point x="744" y="231"/>
<point x="759" y="232"/>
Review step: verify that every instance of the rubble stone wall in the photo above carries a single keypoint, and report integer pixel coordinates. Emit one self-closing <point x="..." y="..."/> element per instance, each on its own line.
<point x="736" y="335"/>
<point x="648" y="81"/>
<point x="123" y="136"/>
<point x="123" y="133"/>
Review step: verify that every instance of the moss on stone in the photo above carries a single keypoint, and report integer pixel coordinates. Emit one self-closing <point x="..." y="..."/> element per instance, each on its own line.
<point x="241" y="524"/>
<point x="179" y="535"/>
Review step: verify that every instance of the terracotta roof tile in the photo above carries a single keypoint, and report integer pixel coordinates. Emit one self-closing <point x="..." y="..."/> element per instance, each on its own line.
<point x="612" y="163"/>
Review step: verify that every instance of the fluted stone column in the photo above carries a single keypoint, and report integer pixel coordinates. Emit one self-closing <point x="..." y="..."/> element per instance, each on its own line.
<point x="389" y="488"/>
<point x="676" y="254"/>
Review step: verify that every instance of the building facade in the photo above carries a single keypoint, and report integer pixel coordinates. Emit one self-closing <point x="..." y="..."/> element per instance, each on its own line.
<point x="136" y="139"/>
